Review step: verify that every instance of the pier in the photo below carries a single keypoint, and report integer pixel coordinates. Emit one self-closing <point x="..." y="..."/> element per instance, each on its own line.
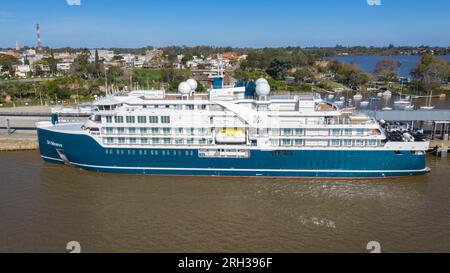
<point x="438" y="118"/>
<point x="18" y="126"/>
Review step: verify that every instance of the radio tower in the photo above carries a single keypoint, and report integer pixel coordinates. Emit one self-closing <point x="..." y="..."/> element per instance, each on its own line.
<point x="39" y="41"/>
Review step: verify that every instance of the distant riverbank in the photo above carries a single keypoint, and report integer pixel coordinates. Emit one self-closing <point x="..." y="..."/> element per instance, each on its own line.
<point x="368" y="63"/>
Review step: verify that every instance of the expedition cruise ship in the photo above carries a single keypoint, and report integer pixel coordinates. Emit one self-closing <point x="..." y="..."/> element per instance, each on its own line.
<point x="230" y="131"/>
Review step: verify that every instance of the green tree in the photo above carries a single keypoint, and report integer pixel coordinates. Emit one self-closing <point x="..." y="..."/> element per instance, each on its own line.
<point x="386" y="70"/>
<point x="187" y="57"/>
<point x="431" y="72"/>
<point x="278" y="69"/>
<point x="303" y="75"/>
<point x="7" y="62"/>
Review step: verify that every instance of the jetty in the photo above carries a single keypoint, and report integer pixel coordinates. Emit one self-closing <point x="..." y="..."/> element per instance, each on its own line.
<point x="18" y="126"/>
<point x="437" y="119"/>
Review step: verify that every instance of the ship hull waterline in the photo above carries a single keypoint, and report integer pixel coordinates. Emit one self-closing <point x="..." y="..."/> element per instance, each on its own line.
<point x="84" y="152"/>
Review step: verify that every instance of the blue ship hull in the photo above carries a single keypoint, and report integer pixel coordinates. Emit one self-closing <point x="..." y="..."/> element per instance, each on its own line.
<point x="84" y="152"/>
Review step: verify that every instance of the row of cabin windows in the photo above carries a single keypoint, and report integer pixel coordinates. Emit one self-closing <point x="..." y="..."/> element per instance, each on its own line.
<point x="155" y="131"/>
<point x="177" y="107"/>
<point x="333" y="142"/>
<point x="140" y="119"/>
<point x="145" y="152"/>
<point x="166" y="141"/>
<point x="333" y="132"/>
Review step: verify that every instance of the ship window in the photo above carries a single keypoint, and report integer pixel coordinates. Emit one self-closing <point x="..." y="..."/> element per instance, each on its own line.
<point x="166" y="131"/>
<point x="360" y="132"/>
<point x="179" y="141"/>
<point x="109" y="140"/>
<point x="143" y="131"/>
<point x="372" y="142"/>
<point x="153" y="119"/>
<point x="179" y="131"/>
<point x="347" y="142"/>
<point x="202" y="141"/>
<point x="121" y="140"/>
<point x="335" y="142"/>
<point x="299" y="132"/>
<point x="166" y="140"/>
<point x="359" y="142"/>
<point x="163" y="152"/>
<point x="286" y="142"/>
<point x="165" y="119"/>
<point x="191" y="131"/>
<point x="336" y="132"/>
<point x="201" y="107"/>
<point x="287" y="132"/>
<point x="120" y="130"/>
<point x="108" y="119"/>
<point x="155" y="131"/>
<point x="275" y="132"/>
<point x="190" y="107"/>
<point x="151" y="152"/>
<point x="109" y="130"/>
<point x="144" y="140"/>
<point x="274" y="142"/>
<point x="118" y="119"/>
<point x="298" y="142"/>
<point x="190" y="141"/>
<point x="132" y="131"/>
<point x="132" y="140"/>
<point x="155" y="140"/>
<point x="348" y="132"/>
<point x="131" y="119"/>
<point x="202" y="131"/>
<point x="142" y="119"/>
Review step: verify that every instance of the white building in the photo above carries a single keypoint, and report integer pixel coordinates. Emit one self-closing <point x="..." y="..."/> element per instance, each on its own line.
<point x="105" y="55"/>
<point x="23" y="70"/>
<point x="63" y="66"/>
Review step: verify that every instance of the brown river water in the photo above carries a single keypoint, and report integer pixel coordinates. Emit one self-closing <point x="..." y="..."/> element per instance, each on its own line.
<point x="44" y="206"/>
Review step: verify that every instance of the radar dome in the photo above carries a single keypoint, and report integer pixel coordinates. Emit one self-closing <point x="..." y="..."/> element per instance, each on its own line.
<point x="193" y="84"/>
<point x="184" y="88"/>
<point x="261" y="80"/>
<point x="263" y="89"/>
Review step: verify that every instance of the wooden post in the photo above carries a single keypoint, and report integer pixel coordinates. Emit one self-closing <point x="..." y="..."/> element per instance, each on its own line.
<point x="433" y="131"/>
<point x="8" y="126"/>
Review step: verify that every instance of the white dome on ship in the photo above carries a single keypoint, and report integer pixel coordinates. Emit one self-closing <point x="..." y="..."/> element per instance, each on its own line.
<point x="193" y="84"/>
<point x="261" y="80"/>
<point x="262" y="89"/>
<point x="184" y="88"/>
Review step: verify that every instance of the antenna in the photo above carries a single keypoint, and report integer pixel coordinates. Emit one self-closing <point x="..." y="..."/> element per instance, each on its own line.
<point x="39" y="40"/>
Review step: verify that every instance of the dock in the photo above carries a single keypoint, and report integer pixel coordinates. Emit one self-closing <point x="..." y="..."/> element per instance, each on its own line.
<point x="18" y="126"/>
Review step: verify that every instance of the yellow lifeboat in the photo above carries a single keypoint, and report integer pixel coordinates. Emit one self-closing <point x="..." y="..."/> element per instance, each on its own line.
<point x="231" y="136"/>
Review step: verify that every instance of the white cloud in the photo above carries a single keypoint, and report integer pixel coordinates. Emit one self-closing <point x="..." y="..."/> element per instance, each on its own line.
<point x="74" y="2"/>
<point x="374" y="2"/>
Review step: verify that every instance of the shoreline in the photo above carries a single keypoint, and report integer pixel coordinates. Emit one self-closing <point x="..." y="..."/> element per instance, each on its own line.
<point x="14" y="144"/>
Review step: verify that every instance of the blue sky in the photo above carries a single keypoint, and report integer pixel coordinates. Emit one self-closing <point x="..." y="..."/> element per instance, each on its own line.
<point x="242" y="23"/>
